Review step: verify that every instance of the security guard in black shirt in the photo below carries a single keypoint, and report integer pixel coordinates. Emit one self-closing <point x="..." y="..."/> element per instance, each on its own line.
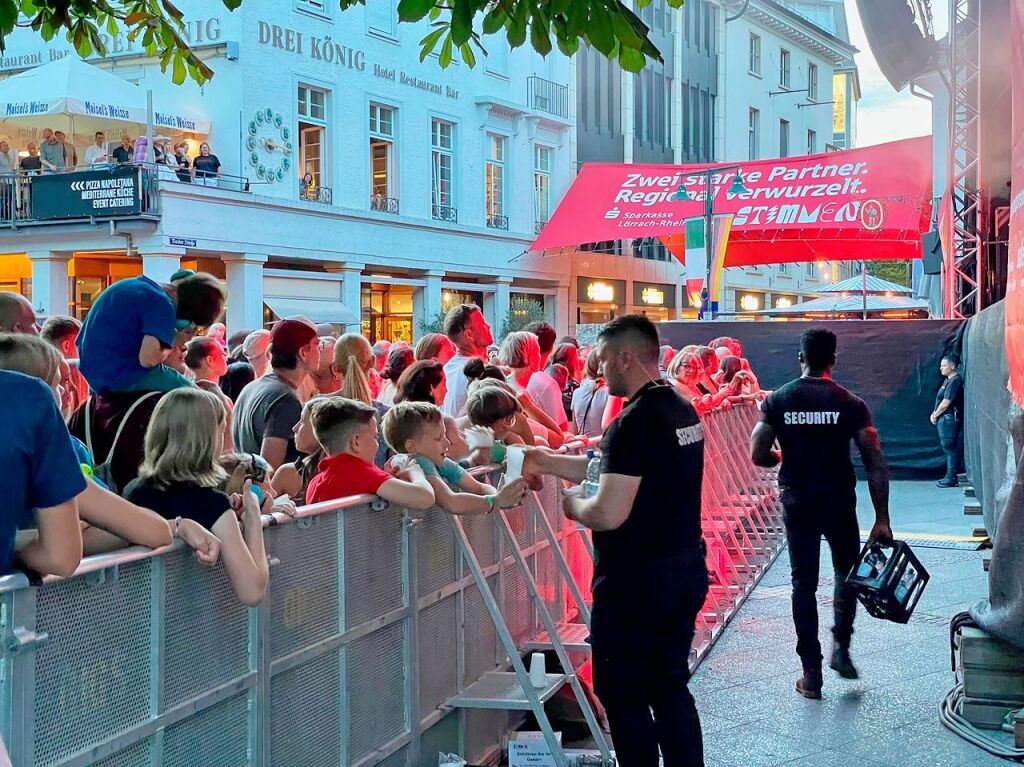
<point x="814" y="420"/>
<point x="650" y="577"/>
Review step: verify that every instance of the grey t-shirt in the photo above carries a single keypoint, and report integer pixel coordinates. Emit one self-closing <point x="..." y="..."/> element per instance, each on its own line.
<point x="268" y="407"/>
<point x="53" y="153"/>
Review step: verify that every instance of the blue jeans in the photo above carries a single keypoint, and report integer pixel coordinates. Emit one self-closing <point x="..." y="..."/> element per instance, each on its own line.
<point x="951" y="437"/>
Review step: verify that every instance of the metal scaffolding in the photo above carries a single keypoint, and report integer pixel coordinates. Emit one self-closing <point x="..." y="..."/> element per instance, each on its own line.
<point x="963" y="278"/>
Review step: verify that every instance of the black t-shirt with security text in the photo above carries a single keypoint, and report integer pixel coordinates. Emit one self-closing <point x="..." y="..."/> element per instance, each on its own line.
<point x="659" y="438"/>
<point x="815" y="420"/>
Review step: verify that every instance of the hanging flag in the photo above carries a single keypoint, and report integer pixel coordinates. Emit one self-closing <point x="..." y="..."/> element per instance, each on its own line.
<point x="1015" y="270"/>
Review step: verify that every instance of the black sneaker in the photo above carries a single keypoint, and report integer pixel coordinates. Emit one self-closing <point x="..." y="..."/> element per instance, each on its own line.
<point x="809" y="685"/>
<point x="947" y="483"/>
<point x="842" y="664"/>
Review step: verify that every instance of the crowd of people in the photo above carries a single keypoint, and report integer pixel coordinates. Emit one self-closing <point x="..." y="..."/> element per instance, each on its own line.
<point x="55" y="153"/>
<point x="170" y="432"/>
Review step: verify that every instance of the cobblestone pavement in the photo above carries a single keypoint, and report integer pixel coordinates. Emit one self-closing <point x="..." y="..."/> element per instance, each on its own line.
<point x="752" y="716"/>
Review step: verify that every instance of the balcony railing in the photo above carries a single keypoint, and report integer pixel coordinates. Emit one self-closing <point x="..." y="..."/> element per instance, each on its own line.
<point x="497" y="222"/>
<point x="547" y="96"/>
<point x="321" y="194"/>
<point x="114" y="191"/>
<point x="385" y="204"/>
<point x="444" y="213"/>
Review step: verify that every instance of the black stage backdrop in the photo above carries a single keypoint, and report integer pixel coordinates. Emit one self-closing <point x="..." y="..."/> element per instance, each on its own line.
<point x="892" y="365"/>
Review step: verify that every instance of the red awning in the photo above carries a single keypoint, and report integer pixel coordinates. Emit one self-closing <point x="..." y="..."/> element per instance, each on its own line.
<point x="871" y="203"/>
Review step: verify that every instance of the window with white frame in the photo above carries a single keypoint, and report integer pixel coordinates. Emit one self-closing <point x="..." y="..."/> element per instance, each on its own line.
<point x="812" y="272"/>
<point x="783" y="269"/>
<point x="494" y="181"/>
<point x="313" y="143"/>
<point x="783" y="138"/>
<point x="812" y="142"/>
<point x="754" y="65"/>
<point x="784" y="68"/>
<point x="812" y="81"/>
<point x="382" y="156"/>
<point x="382" y="18"/>
<point x="754" y="134"/>
<point x="497" y="60"/>
<point x="316" y="7"/>
<point x="542" y="183"/>
<point x="442" y="164"/>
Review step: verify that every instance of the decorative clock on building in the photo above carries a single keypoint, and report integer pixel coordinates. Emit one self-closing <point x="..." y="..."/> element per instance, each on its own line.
<point x="269" y="145"/>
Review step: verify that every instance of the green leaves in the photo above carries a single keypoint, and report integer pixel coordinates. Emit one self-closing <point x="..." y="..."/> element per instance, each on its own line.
<point x="457" y="27"/>
<point x="413" y="10"/>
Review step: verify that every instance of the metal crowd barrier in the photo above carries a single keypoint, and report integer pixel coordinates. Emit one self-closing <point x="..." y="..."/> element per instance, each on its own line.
<point x="374" y="634"/>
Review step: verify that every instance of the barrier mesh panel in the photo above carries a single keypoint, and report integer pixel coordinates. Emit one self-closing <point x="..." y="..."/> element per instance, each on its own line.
<point x="480" y="532"/>
<point x="480" y="637"/>
<point x="517" y="608"/>
<point x="435" y="552"/>
<point x="92" y="678"/>
<point x="303" y="596"/>
<point x="376" y="690"/>
<point x="551" y="502"/>
<point x="442" y="738"/>
<point x="436" y="654"/>
<point x="218" y="735"/>
<point x="206" y="630"/>
<point x="520" y="521"/>
<point x="373" y="563"/>
<point x="548" y="578"/>
<point x="306" y="714"/>
<point x="139" y="755"/>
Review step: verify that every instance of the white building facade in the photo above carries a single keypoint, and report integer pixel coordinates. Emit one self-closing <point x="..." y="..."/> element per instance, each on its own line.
<point x="427" y="184"/>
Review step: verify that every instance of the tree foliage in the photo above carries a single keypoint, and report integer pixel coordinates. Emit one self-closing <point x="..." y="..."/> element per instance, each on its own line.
<point x="522" y="311"/>
<point x="465" y="26"/>
<point x="897" y="271"/>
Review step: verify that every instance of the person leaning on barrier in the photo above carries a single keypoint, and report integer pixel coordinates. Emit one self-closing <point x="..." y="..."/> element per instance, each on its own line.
<point x="424" y="381"/>
<point x="41" y="476"/>
<point x="179" y="478"/>
<point x="110" y="522"/>
<point x="814" y="420"/>
<point x="292" y="479"/>
<point x="492" y="405"/>
<point x="347" y="430"/>
<point x="416" y="430"/>
<point x="650" y="577"/>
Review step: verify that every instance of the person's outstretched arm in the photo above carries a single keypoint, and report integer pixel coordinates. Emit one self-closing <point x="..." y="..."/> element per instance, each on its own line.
<point x="762" y="442"/>
<point x="870" y="446"/>
<point x="410" y="489"/>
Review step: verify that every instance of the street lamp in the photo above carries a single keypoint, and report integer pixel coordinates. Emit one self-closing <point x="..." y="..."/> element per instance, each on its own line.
<point x="737" y="187"/>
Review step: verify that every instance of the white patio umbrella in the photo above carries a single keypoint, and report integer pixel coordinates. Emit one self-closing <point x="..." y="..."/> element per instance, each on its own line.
<point x="71" y="95"/>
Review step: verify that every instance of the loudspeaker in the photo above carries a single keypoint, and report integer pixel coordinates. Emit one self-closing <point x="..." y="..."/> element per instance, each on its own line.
<point x="931" y="252"/>
<point x="901" y="38"/>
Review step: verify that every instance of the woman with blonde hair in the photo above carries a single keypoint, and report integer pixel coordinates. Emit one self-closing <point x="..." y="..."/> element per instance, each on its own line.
<point x="685" y="371"/>
<point x="590" y="399"/>
<point x="110" y="522"/>
<point x="521" y="352"/>
<point x="292" y="478"/>
<point x="179" y="478"/>
<point x="353" y="361"/>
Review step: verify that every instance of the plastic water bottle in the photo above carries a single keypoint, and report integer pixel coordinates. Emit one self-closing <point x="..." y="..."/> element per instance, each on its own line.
<point x="590" y="484"/>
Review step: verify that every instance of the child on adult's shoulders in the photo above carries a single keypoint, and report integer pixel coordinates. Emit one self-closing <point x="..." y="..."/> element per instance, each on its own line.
<point x="417" y="430"/>
<point x="347" y="430"/>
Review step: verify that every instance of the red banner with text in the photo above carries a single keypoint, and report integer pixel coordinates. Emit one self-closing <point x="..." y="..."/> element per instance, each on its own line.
<point x="1015" y="265"/>
<point x="870" y="203"/>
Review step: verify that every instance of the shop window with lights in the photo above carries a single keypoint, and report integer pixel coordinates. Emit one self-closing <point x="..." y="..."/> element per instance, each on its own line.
<point x="313" y="139"/>
<point x="383" y="165"/>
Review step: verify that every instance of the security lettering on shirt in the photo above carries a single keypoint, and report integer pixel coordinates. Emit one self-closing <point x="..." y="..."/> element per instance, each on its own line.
<point x="690" y="435"/>
<point x="810" y="418"/>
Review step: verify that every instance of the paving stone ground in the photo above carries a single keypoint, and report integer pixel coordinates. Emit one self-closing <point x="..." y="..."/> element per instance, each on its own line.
<point x="744" y="689"/>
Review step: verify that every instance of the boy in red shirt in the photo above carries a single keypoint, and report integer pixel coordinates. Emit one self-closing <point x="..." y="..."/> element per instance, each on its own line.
<point x="417" y="429"/>
<point x="347" y="429"/>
